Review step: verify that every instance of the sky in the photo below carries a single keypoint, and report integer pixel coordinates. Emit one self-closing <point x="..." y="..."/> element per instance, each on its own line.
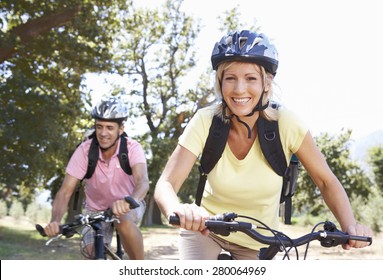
<point x="330" y="56"/>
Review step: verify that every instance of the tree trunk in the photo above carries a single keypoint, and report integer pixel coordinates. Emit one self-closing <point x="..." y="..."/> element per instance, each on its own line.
<point x="76" y="203"/>
<point x="152" y="214"/>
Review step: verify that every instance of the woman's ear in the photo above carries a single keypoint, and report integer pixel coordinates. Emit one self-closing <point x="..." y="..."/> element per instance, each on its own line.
<point x="269" y="80"/>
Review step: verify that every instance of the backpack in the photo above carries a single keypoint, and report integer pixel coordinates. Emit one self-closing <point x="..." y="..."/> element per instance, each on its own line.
<point x="271" y="146"/>
<point x="76" y="202"/>
<point x="94" y="154"/>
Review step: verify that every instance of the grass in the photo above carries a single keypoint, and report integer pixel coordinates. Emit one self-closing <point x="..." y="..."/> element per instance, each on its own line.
<point x="25" y="244"/>
<point x="18" y="242"/>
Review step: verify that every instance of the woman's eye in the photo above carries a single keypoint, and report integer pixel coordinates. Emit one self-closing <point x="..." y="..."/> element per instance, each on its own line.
<point x="229" y="78"/>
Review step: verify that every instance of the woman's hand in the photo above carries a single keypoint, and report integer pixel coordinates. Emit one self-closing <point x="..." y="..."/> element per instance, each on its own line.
<point x="192" y="217"/>
<point x="361" y="230"/>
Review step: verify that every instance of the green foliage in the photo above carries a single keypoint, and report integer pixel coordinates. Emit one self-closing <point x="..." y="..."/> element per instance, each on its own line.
<point x="16" y="210"/>
<point x="153" y="53"/>
<point x="369" y="213"/>
<point x="3" y="209"/>
<point x="376" y="162"/>
<point x="337" y="153"/>
<point x="46" y="48"/>
<point x="37" y="213"/>
<point x="231" y="20"/>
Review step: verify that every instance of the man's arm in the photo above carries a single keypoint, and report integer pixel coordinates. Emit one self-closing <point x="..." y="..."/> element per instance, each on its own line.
<point x="60" y="204"/>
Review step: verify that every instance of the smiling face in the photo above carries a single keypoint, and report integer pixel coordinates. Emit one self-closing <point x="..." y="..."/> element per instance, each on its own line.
<point x="242" y="86"/>
<point x="107" y="133"/>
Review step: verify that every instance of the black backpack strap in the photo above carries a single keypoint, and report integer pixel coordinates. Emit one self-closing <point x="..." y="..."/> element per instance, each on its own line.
<point x="94" y="154"/>
<point x="289" y="185"/>
<point x="272" y="149"/>
<point x="92" y="158"/>
<point x="212" y="152"/>
<point x="123" y="155"/>
<point x="269" y="139"/>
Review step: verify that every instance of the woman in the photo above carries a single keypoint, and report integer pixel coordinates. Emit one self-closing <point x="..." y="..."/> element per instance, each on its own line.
<point x="242" y="181"/>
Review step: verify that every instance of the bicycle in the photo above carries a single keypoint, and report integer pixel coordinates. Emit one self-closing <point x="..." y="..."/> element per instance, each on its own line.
<point x="101" y="250"/>
<point x="226" y="224"/>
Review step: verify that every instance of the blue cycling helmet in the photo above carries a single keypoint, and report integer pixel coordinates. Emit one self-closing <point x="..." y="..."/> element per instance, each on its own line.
<point x="246" y="46"/>
<point x="110" y="109"/>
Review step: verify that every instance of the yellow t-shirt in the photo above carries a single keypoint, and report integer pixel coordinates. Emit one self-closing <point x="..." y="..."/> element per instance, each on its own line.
<point x="248" y="186"/>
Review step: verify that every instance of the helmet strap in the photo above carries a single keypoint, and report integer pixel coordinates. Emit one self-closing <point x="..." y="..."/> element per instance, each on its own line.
<point x="224" y="107"/>
<point x="246" y="125"/>
<point x="259" y="107"/>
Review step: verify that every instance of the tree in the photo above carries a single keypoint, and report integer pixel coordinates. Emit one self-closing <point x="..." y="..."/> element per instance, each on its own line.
<point x="155" y="53"/>
<point x="46" y="47"/>
<point x="232" y="21"/>
<point x="337" y="153"/>
<point x="376" y="162"/>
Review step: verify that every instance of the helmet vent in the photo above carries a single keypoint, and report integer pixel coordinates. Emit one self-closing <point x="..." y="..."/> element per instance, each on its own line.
<point x="255" y="42"/>
<point x="242" y="41"/>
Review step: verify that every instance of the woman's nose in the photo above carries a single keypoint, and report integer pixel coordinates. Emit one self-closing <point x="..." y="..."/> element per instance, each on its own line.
<point x="240" y="86"/>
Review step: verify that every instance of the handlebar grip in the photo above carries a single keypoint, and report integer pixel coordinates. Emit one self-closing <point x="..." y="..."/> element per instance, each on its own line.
<point x="361" y="238"/>
<point x="174" y="220"/>
<point x="132" y="202"/>
<point x="62" y="230"/>
<point x="40" y="229"/>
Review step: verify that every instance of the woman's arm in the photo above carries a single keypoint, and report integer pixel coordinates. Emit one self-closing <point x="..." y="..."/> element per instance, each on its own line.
<point x="331" y="189"/>
<point x="176" y="171"/>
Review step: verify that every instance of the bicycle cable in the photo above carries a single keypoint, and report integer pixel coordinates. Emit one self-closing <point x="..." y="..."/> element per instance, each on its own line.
<point x="277" y="234"/>
<point x="310" y="239"/>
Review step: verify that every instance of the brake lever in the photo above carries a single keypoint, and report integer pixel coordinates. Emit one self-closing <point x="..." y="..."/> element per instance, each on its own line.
<point x="112" y="219"/>
<point x="53" y="238"/>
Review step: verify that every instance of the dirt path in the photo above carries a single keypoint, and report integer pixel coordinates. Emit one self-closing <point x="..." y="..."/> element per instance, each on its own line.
<point x="161" y="244"/>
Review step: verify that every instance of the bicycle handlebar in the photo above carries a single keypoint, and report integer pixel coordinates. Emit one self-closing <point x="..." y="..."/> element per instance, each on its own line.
<point x="68" y="230"/>
<point x="225" y="224"/>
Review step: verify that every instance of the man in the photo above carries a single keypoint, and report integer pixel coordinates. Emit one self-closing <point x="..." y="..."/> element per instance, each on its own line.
<point x="109" y="184"/>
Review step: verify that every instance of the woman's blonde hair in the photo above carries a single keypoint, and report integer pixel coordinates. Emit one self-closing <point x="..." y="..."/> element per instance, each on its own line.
<point x="223" y="111"/>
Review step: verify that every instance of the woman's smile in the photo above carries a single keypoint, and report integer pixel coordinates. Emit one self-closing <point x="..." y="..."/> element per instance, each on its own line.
<point x="242" y="100"/>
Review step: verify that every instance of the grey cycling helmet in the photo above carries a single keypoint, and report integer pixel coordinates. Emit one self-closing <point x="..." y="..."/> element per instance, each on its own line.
<point x="246" y="46"/>
<point x="111" y="109"/>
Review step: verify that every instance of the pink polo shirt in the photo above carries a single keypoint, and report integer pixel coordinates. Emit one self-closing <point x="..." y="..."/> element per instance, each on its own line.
<point x="109" y="181"/>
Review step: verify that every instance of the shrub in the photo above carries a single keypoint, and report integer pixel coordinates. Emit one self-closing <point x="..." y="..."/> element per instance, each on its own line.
<point x="16" y="211"/>
<point x="3" y="209"/>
